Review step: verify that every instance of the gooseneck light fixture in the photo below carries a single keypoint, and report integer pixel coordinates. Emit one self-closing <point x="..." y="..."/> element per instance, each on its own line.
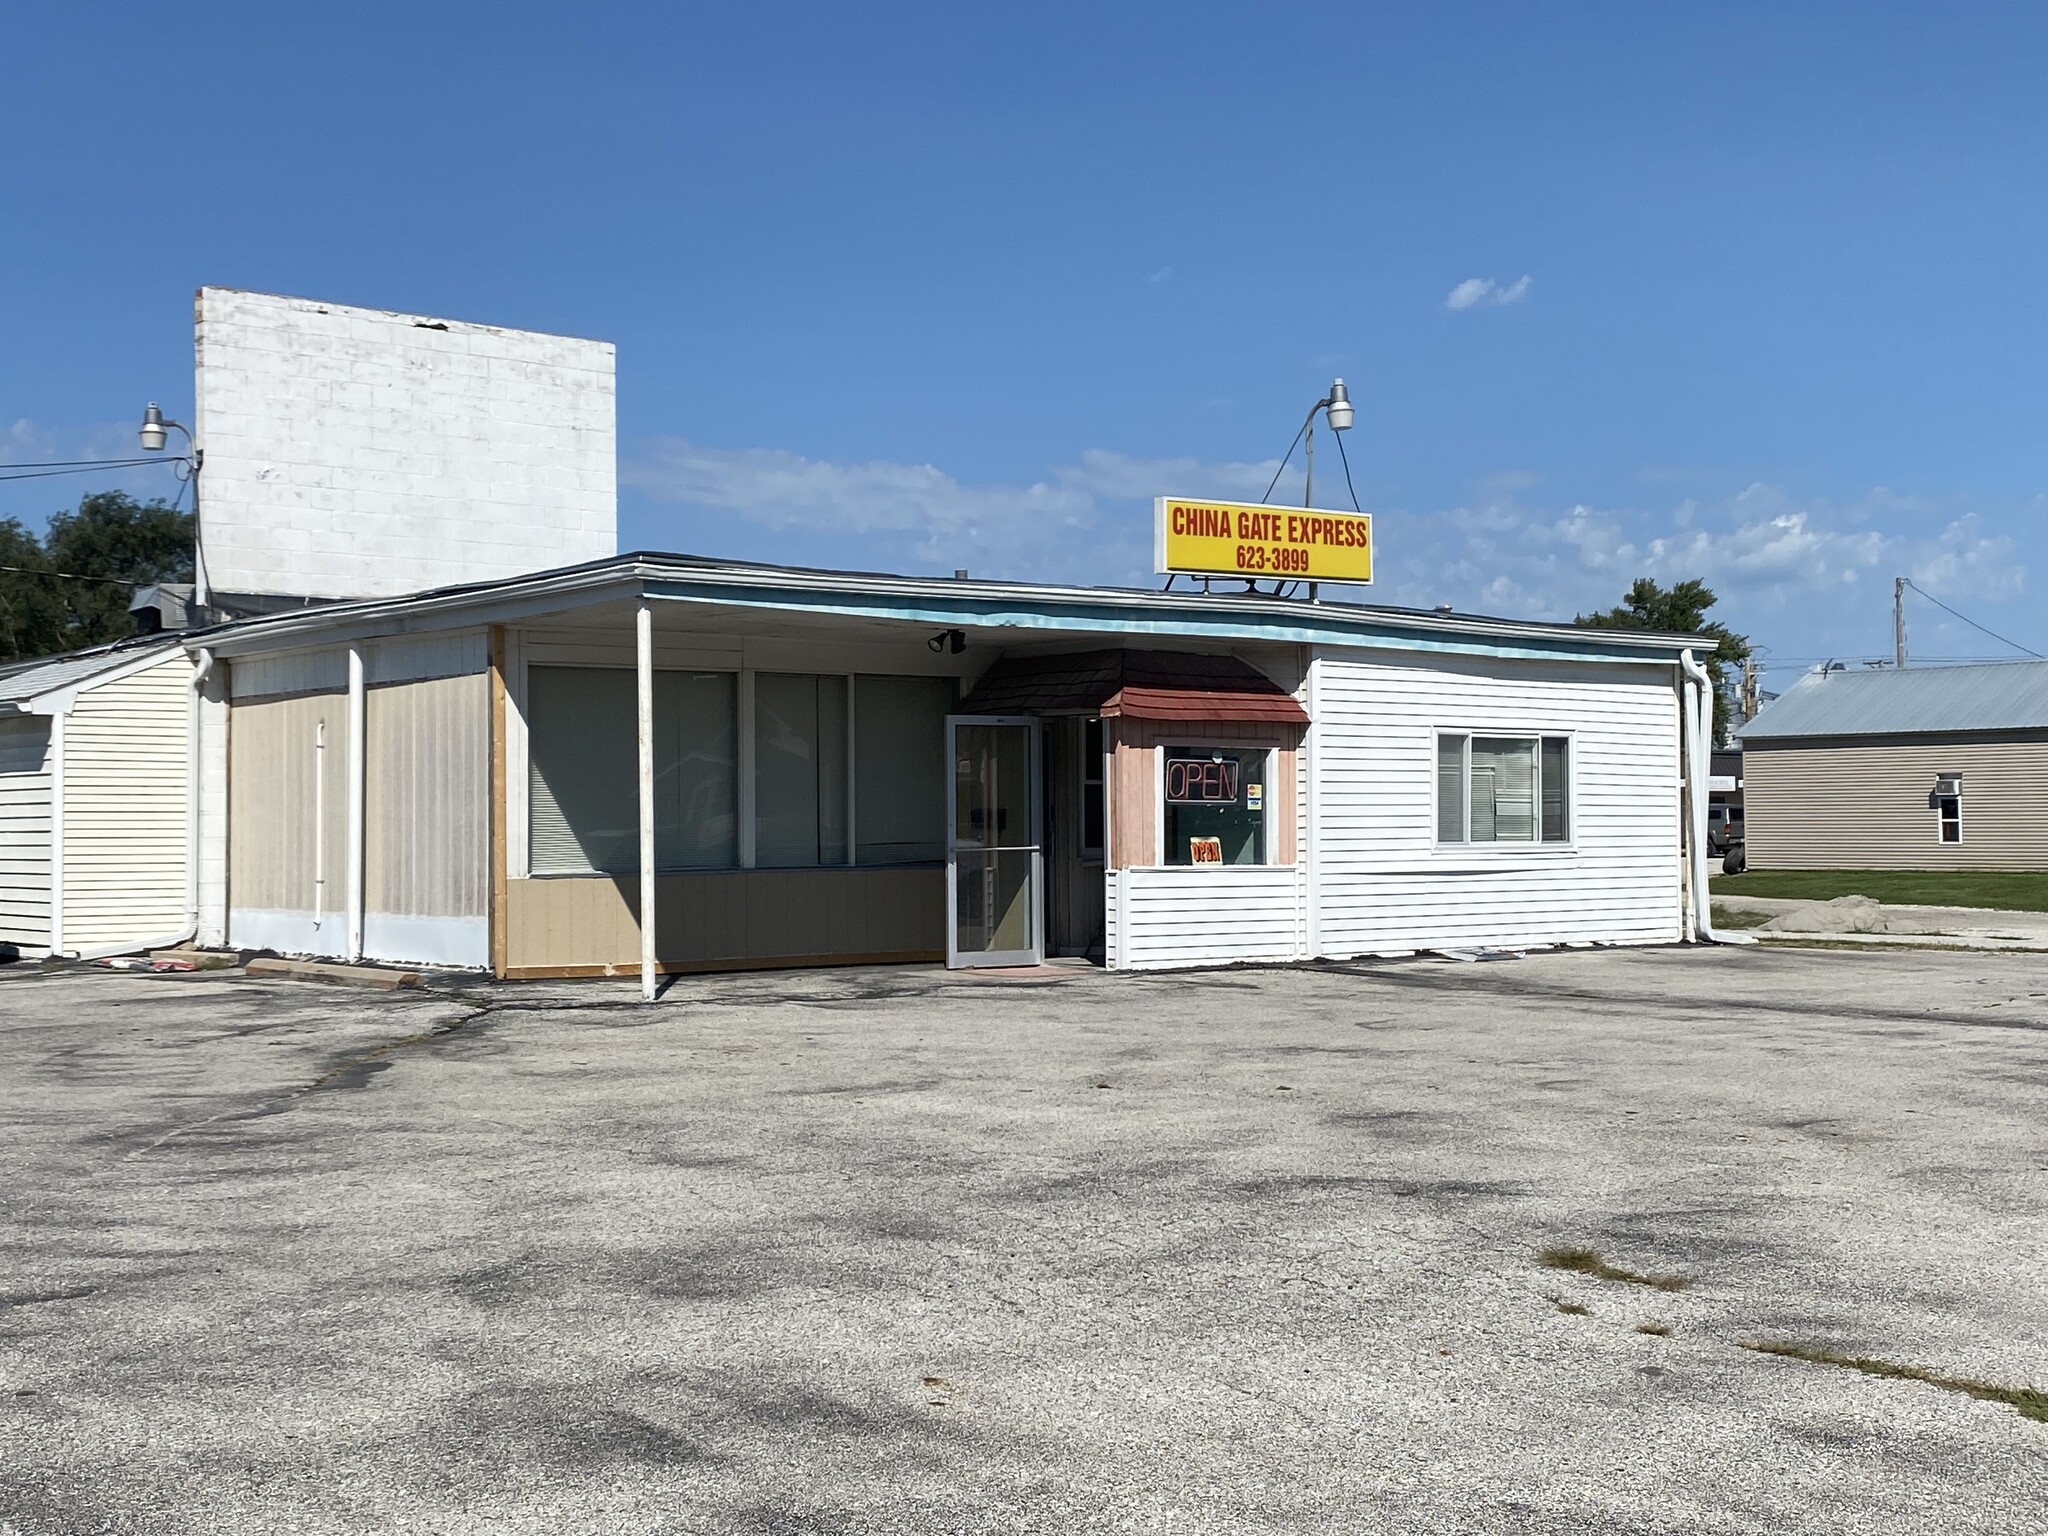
<point x="153" y="434"/>
<point x="1336" y="406"/>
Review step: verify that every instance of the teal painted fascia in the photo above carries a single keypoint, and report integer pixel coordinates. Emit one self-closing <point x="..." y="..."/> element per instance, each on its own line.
<point x="990" y="613"/>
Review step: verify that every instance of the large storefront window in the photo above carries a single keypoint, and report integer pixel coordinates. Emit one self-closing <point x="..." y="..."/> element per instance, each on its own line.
<point x="585" y="813"/>
<point x="799" y="770"/>
<point x="1216" y="805"/>
<point x="899" y="769"/>
<point x="1503" y="789"/>
<point x="584" y="810"/>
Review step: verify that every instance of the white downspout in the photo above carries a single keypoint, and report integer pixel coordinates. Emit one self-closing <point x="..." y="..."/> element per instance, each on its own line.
<point x="357" y="762"/>
<point x="1698" y="723"/>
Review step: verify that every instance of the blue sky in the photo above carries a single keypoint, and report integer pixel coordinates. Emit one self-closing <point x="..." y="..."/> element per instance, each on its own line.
<point x="929" y="286"/>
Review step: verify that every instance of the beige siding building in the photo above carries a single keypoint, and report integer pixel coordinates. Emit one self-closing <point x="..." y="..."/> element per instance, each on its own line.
<point x="1929" y="768"/>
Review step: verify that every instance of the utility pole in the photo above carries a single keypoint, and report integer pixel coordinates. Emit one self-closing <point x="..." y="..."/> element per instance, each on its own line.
<point x="1899" y="622"/>
<point x="1749" y="689"/>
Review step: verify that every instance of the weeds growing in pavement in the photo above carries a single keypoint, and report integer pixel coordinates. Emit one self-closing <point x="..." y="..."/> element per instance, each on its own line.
<point x="2030" y="1402"/>
<point x="1587" y="1261"/>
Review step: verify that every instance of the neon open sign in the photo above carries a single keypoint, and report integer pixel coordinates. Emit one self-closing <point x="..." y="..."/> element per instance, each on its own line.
<point x="1201" y="781"/>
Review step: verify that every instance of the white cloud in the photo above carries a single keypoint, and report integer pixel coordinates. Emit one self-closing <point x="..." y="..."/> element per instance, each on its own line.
<point x="1159" y="275"/>
<point x="1807" y="573"/>
<point x="1801" y="576"/>
<point x="1081" y="521"/>
<point x="1484" y="292"/>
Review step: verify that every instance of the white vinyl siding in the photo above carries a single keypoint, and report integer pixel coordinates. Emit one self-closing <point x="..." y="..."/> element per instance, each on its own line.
<point x="1213" y="914"/>
<point x="1383" y="881"/>
<point x="126" y="801"/>
<point x="25" y="833"/>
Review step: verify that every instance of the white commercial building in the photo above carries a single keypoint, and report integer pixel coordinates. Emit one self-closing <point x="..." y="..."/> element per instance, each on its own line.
<point x="670" y="763"/>
<point x="451" y="726"/>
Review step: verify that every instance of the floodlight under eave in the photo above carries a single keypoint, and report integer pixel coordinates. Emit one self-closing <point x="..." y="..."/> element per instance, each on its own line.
<point x="152" y="433"/>
<point x="1339" y="408"/>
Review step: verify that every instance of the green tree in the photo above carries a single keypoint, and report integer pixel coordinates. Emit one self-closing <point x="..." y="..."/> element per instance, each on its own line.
<point x="1682" y="610"/>
<point x="72" y="587"/>
<point x="31" y="606"/>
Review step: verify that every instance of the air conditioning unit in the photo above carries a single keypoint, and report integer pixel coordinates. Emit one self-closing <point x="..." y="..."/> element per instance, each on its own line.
<point x="1948" y="784"/>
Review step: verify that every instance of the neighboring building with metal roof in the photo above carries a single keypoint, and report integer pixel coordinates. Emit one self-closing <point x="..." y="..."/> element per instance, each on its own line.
<point x="665" y="763"/>
<point x="95" y="801"/>
<point x="1922" y="768"/>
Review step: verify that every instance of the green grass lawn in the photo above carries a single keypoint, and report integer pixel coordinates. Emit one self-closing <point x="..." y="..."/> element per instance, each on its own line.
<point x="2001" y="890"/>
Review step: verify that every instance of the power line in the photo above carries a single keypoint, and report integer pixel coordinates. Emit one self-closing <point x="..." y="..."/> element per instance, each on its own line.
<point x="68" y="463"/>
<point x="8" y="471"/>
<point x="1994" y="634"/>
<point x="28" y="570"/>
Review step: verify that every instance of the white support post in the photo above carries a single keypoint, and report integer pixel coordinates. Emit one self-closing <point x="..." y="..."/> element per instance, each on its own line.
<point x="56" y="834"/>
<point x="358" y="715"/>
<point x="644" y="678"/>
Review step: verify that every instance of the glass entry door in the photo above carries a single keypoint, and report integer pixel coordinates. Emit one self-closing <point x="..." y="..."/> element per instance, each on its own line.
<point x="993" y="859"/>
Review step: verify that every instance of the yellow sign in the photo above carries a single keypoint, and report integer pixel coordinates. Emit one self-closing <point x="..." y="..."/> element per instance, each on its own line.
<point x="1236" y="538"/>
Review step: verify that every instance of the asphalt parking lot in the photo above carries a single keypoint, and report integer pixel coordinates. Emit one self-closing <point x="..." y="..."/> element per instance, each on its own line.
<point x="885" y="1251"/>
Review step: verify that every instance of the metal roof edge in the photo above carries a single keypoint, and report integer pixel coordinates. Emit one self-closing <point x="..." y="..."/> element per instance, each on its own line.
<point x="940" y="599"/>
<point x="124" y="658"/>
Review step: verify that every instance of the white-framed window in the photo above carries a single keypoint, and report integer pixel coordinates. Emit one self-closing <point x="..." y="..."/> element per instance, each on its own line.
<point x="1948" y="817"/>
<point x="1216" y="804"/>
<point x="821" y="754"/>
<point x="1503" y="789"/>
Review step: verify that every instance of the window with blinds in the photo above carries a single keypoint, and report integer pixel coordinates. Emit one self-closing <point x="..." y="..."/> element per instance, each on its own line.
<point x="582" y="762"/>
<point x="799" y="770"/>
<point x="812" y="735"/>
<point x="1503" y="789"/>
<point x="899" y="769"/>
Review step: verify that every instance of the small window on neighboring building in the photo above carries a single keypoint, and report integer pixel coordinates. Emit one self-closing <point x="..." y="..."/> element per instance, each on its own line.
<point x="1949" y="808"/>
<point x="1091" y="789"/>
<point x="1503" y="789"/>
<point x="24" y="744"/>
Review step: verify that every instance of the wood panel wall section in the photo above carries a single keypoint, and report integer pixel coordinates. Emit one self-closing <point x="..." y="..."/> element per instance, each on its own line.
<point x="738" y="919"/>
<point x="500" y="808"/>
<point x="1134" y="780"/>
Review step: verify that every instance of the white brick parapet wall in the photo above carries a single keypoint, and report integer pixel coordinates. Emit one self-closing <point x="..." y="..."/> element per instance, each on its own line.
<point x="361" y="453"/>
